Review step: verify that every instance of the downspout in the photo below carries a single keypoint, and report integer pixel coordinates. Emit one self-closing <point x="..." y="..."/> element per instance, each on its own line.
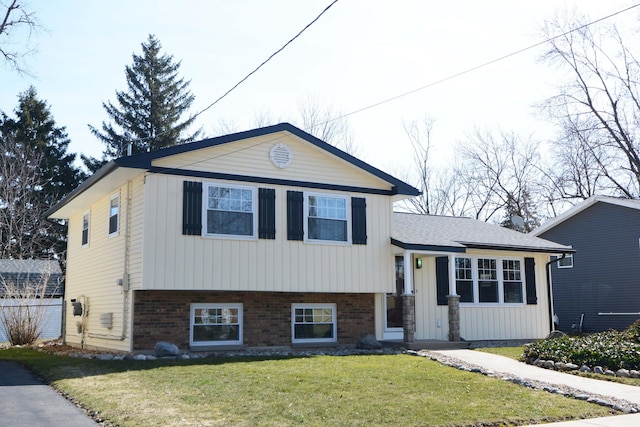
<point x="124" y="282"/>
<point x="549" y="289"/>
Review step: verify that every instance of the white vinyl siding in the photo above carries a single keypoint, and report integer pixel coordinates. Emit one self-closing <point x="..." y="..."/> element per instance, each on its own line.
<point x="93" y="271"/>
<point x="215" y="324"/>
<point x="176" y="261"/>
<point x="313" y="323"/>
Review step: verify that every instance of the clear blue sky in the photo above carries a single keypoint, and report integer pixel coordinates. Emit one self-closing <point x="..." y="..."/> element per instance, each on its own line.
<point x="359" y="53"/>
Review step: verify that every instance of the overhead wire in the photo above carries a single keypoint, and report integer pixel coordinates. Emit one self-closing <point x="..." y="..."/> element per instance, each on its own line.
<point x="477" y="67"/>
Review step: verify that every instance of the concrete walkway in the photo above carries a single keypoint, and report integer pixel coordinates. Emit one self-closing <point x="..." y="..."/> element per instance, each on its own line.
<point x="505" y="365"/>
<point x="27" y="401"/>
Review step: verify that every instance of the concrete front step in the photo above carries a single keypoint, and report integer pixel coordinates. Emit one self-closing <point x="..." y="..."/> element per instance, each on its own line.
<point x="427" y="344"/>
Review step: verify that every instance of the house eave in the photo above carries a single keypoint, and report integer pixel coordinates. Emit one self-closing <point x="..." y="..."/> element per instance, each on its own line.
<point x="516" y="248"/>
<point x="426" y="247"/>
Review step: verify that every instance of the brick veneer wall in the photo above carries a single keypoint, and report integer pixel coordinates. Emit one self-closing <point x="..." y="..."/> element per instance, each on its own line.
<point x="164" y="315"/>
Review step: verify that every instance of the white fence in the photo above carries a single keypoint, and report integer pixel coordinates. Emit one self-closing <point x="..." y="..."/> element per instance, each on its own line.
<point x="52" y="324"/>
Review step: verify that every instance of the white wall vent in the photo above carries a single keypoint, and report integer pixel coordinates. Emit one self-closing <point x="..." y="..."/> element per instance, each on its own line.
<point x="281" y="156"/>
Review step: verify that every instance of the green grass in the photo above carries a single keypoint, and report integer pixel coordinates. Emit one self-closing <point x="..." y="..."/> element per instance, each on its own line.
<point x="312" y="391"/>
<point x="510" y="352"/>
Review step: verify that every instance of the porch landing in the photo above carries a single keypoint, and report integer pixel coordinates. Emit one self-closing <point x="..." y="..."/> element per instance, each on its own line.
<point x="427" y="344"/>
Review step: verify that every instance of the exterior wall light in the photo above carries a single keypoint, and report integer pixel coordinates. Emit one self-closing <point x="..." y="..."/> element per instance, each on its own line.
<point x="418" y="263"/>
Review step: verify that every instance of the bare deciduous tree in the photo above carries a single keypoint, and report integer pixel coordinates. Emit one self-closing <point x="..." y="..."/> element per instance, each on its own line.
<point x="322" y="123"/>
<point x="500" y="173"/>
<point x="598" y="110"/>
<point x="15" y="18"/>
<point x="25" y="232"/>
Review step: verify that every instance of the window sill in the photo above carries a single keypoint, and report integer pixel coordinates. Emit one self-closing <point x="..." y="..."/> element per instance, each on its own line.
<point x="222" y="347"/>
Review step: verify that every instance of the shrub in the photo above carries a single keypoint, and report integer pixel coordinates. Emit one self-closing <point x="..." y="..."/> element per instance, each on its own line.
<point x="23" y="310"/>
<point x="612" y="349"/>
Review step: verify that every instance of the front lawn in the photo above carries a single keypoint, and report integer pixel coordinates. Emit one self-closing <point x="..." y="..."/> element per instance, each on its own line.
<point x="320" y="390"/>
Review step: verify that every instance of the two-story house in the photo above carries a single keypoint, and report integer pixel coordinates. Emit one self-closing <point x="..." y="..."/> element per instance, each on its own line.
<point x="271" y="237"/>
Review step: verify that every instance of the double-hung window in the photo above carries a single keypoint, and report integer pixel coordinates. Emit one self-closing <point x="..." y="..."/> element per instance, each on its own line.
<point x="486" y="280"/>
<point x="327" y="218"/>
<point x="464" y="279"/>
<point x="230" y="211"/>
<point x="85" y="229"/>
<point x="216" y="324"/>
<point x="114" y="213"/>
<point x="313" y="323"/>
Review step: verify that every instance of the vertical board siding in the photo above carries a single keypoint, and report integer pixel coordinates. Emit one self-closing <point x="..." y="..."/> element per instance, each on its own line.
<point x="174" y="261"/>
<point x="479" y="322"/>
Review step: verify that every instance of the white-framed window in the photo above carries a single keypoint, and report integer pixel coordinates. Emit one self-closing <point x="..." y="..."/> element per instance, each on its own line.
<point x="114" y="214"/>
<point x="566" y="262"/>
<point x="230" y="211"/>
<point x="327" y="218"/>
<point x="311" y="323"/>
<point x="216" y="324"/>
<point x="85" y="228"/>
<point x="490" y="280"/>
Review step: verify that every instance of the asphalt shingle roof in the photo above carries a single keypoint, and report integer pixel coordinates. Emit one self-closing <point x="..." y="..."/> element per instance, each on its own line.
<point x="21" y="271"/>
<point x="455" y="234"/>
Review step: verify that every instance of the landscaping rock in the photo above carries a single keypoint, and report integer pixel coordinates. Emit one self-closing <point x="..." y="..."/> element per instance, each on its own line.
<point x="570" y="366"/>
<point x="610" y="373"/>
<point x="598" y="370"/>
<point x="559" y="366"/>
<point x="549" y="364"/>
<point x="584" y="368"/>
<point x="623" y="373"/>
<point x="139" y="357"/>
<point x="368" y="342"/>
<point x="164" y="349"/>
<point x="634" y="374"/>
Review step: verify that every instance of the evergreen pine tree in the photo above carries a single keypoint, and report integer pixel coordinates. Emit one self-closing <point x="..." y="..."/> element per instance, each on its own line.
<point x="33" y="138"/>
<point x="148" y="115"/>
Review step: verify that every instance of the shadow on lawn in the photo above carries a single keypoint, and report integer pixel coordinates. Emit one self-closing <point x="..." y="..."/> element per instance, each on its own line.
<point x="53" y="367"/>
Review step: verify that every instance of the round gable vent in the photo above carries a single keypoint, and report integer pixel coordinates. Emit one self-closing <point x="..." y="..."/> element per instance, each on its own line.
<point x="281" y="156"/>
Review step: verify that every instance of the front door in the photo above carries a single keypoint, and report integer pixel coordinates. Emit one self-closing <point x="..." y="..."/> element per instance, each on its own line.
<point x="393" y="305"/>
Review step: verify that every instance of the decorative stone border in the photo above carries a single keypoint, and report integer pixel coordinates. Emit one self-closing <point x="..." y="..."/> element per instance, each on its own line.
<point x="617" y="404"/>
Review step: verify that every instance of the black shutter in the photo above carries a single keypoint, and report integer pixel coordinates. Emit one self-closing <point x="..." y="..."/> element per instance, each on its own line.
<point x="295" y="215"/>
<point x="192" y="208"/>
<point x="358" y="221"/>
<point x="266" y="213"/>
<point x="442" y="280"/>
<point x="530" y="278"/>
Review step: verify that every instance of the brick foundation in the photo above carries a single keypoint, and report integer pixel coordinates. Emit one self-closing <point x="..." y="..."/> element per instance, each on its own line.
<point x="164" y="315"/>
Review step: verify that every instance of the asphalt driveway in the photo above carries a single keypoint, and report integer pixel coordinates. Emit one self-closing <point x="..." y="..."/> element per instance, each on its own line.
<point x="27" y="401"/>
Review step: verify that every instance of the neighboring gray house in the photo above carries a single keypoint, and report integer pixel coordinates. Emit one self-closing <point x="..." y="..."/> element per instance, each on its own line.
<point x="597" y="288"/>
<point x="20" y="273"/>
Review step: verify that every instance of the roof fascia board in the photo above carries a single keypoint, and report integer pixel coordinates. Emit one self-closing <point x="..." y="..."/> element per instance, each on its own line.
<point x="485" y="246"/>
<point x="579" y="208"/>
<point x="430" y="248"/>
<point x="87" y="183"/>
<point x="273" y="181"/>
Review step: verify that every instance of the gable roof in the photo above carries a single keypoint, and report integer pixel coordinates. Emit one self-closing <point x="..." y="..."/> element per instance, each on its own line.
<point x="125" y="168"/>
<point x="23" y="271"/>
<point x="627" y="203"/>
<point x="457" y="234"/>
